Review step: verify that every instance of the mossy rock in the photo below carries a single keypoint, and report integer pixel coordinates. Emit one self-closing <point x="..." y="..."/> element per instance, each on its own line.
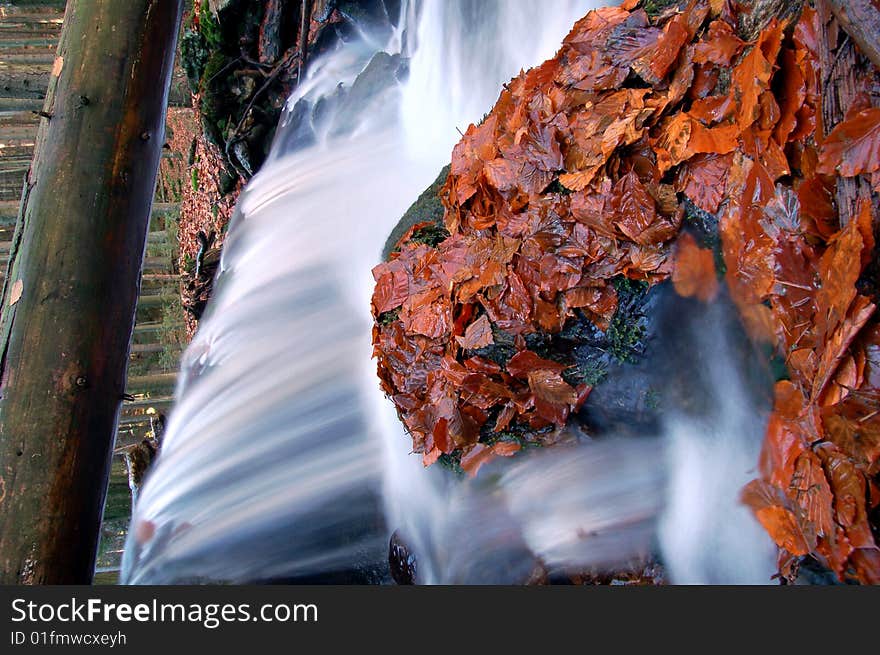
<point x="426" y="209"/>
<point x="651" y="360"/>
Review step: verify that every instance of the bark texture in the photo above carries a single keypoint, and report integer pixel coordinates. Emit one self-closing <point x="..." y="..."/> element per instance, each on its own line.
<point x="70" y="296"/>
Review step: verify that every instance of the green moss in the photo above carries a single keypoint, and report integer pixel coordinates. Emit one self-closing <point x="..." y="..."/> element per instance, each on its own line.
<point x="556" y="187"/>
<point x="194" y="56"/>
<point x="427" y="208"/>
<point x="451" y="462"/>
<point x="430" y="235"/>
<point x="656" y="7"/>
<point x="194" y="179"/>
<point x="387" y="318"/>
<point x="209" y="27"/>
<point x="591" y="372"/>
<point x="626" y="333"/>
<point x="501" y="350"/>
<point x="624" y="339"/>
<point x="215" y="98"/>
<point x="629" y="288"/>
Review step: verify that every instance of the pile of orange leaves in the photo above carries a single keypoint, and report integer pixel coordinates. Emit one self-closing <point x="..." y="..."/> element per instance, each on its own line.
<point x="580" y="174"/>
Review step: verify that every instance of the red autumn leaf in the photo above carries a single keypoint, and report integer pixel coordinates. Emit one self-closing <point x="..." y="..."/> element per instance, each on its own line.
<point x="634" y="209"/>
<point x="705" y="180"/>
<point x="392" y="287"/>
<point x="810" y="490"/>
<point x="857" y="434"/>
<point x="720" y="47"/>
<point x="477" y="335"/>
<point x="655" y="64"/>
<point x="866" y="562"/>
<point x="839" y="341"/>
<point x="718" y="140"/>
<point x="750" y="78"/>
<point x="817" y="207"/>
<point x="481" y="454"/>
<point x="694" y="273"/>
<point x="506" y="448"/>
<point x="470" y="155"/>
<point x="526" y="361"/>
<point x="772" y="510"/>
<point x="853" y="147"/>
<point x="784" y="442"/>
<point x="782" y="526"/>
<point x="849" y="486"/>
<point x="839" y="269"/>
<point x="478" y="455"/>
<point x="671" y="145"/>
<point x="554" y="398"/>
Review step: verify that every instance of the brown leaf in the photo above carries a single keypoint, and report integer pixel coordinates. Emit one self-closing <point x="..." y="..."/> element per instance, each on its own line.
<point x="720" y="46"/>
<point x="839" y="269"/>
<point x="634" y="209"/>
<point x="849" y="486"/>
<point x="481" y="454"/>
<point x="750" y="78"/>
<point x="812" y="493"/>
<point x="853" y="147"/>
<point x="694" y="273"/>
<point x="477" y="335"/>
<point x="772" y="510"/>
<point x="838" y="343"/>
<point x="554" y="398"/>
<point x="705" y="180"/>
<point x="526" y="361"/>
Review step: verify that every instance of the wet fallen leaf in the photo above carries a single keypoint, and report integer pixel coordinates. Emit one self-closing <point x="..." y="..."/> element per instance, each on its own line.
<point x="853" y="147"/>
<point x="477" y="335"/>
<point x="694" y="273"/>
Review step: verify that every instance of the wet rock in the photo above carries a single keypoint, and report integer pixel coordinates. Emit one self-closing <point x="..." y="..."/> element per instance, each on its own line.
<point x="651" y="360"/>
<point x="243" y="59"/>
<point x="376" y="17"/>
<point x="401" y="562"/>
<point x="426" y="209"/>
<point x="381" y="73"/>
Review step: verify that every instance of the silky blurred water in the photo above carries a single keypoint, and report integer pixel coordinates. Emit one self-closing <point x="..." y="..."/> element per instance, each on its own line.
<point x="282" y="459"/>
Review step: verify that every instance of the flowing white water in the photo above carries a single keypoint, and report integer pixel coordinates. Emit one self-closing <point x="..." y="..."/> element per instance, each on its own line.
<point x="282" y="459"/>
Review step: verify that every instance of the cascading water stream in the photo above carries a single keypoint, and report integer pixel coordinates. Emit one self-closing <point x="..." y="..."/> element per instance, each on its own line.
<point x="283" y="460"/>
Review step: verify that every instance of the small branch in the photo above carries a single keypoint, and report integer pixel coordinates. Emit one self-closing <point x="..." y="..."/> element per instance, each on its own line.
<point x="304" y="24"/>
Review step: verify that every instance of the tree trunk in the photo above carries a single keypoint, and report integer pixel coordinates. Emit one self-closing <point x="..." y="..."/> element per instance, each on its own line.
<point x="70" y="297"/>
<point x="845" y="66"/>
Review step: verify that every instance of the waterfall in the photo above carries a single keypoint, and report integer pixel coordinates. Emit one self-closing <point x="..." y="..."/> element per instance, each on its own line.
<point x="282" y="459"/>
